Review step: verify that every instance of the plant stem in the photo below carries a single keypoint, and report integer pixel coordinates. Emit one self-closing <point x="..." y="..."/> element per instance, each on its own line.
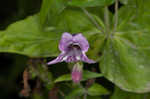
<point x="92" y="19"/>
<point x="106" y="19"/>
<point x="116" y="16"/>
<point x="85" y="96"/>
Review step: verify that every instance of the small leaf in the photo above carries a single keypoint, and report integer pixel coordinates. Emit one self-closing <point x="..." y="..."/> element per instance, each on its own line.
<point x="89" y="75"/>
<point x="97" y="89"/>
<point x="86" y="75"/>
<point x="66" y="77"/>
<point x="76" y="92"/>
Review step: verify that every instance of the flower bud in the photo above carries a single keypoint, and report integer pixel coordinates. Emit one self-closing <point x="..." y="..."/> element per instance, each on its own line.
<point x="77" y="73"/>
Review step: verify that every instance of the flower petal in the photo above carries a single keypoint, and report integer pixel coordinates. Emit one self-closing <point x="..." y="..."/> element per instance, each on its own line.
<point x="58" y="59"/>
<point x="82" y="41"/>
<point x="66" y="39"/>
<point x="71" y="59"/>
<point x="86" y="59"/>
<point x="73" y="55"/>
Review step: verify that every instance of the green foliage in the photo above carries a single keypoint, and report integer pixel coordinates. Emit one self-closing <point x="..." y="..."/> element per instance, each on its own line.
<point x="97" y="89"/>
<point x="123" y="53"/>
<point x="50" y="10"/>
<point x="125" y="59"/>
<point x="126" y="64"/>
<point x="97" y="43"/>
<point x="124" y="1"/>
<point x="75" y="93"/>
<point x="41" y="71"/>
<point x="120" y="94"/>
<point x="24" y="37"/>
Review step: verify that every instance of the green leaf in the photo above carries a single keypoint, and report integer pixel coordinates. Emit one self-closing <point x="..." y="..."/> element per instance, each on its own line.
<point x="76" y="92"/>
<point x="86" y="75"/>
<point x="120" y="94"/>
<point x="136" y="17"/>
<point x="96" y="90"/>
<point x="125" y="61"/>
<point x="44" y="10"/>
<point x="90" y="3"/>
<point x="126" y="56"/>
<point x="25" y="36"/>
<point x="89" y="75"/>
<point x="50" y="9"/>
<point x="96" y="44"/>
<point x="66" y="77"/>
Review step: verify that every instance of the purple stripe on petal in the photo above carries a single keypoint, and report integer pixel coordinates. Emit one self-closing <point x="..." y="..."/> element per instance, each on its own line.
<point x="66" y="40"/>
<point x="71" y="59"/>
<point x="58" y="59"/>
<point x="82" y="41"/>
<point x="86" y="59"/>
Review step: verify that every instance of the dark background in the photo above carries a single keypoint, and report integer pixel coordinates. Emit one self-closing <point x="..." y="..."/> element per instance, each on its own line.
<point x="12" y="65"/>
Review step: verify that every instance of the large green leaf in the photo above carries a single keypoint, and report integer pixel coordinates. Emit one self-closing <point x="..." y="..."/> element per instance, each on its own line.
<point x="126" y="62"/>
<point x="90" y="3"/>
<point x="126" y="55"/>
<point x="26" y="37"/>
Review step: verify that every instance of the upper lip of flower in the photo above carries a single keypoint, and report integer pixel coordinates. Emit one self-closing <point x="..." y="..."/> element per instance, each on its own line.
<point x="73" y="48"/>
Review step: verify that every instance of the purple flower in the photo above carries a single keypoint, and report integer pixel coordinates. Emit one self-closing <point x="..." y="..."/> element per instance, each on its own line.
<point x="76" y="73"/>
<point x="73" y="49"/>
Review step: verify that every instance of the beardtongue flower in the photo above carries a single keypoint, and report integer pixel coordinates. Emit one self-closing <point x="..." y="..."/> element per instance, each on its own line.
<point x="73" y="49"/>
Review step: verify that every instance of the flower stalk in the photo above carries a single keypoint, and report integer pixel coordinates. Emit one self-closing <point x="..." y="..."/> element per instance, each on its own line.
<point x="116" y="15"/>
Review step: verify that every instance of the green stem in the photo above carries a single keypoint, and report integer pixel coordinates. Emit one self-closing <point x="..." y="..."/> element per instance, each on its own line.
<point x="106" y="19"/>
<point x="92" y="19"/>
<point x="85" y="91"/>
<point x="116" y="16"/>
<point x="85" y="96"/>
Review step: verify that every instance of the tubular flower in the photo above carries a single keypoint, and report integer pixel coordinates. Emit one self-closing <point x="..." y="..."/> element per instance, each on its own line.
<point x="73" y="49"/>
